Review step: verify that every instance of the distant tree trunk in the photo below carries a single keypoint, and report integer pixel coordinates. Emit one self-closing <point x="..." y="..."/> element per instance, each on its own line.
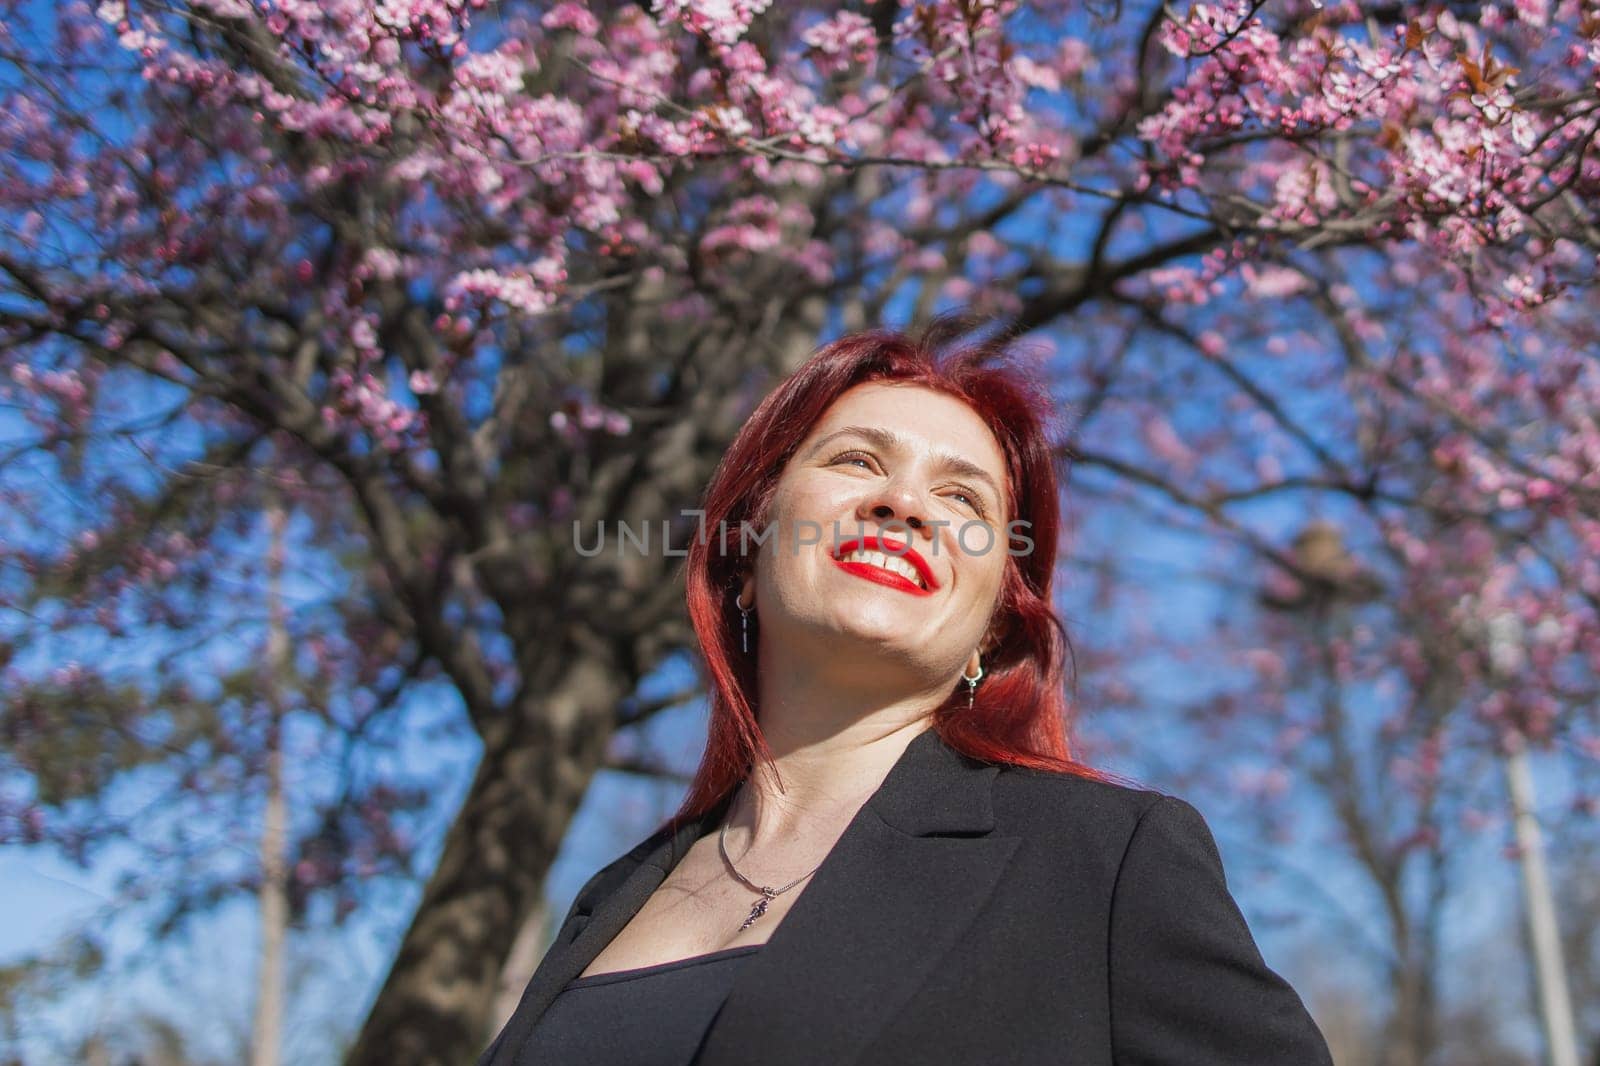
<point x="272" y="897"/>
<point x="1543" y="935"/>
<point x="1412" y="882"/>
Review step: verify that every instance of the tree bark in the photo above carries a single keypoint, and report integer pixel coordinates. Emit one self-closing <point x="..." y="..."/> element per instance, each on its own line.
<point x="436" y="1003"/>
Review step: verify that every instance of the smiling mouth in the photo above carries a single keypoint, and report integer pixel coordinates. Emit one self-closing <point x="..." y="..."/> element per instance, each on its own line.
<point x="885" y="568"/>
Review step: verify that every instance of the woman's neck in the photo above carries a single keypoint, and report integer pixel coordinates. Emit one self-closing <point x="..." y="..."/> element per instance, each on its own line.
<point x="822" y="779"/>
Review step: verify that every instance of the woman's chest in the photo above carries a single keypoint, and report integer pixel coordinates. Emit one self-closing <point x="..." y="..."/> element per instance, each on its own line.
<point x="909" y="970"/>
<point x="700" y="908"/>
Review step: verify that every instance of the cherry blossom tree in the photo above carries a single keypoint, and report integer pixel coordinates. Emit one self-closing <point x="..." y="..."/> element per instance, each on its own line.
<point x="453" y="276"/>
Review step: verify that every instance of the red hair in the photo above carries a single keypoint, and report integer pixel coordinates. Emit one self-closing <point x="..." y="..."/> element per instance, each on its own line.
<point x="1020" y="713"/>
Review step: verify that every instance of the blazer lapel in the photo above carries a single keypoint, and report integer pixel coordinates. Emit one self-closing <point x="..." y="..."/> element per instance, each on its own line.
<point x="910" y="872"/>
<point x="908" y="876"/>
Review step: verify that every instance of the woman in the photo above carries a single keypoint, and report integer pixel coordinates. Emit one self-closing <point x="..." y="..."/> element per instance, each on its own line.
<point x="888" y="854"/>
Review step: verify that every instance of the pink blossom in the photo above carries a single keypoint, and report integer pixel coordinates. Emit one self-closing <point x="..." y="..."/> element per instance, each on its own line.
<point x="568" y="15"/>
<point x="1273" y="282"/>
<point x="723" y="21"/>
<point x="836" y="43"/>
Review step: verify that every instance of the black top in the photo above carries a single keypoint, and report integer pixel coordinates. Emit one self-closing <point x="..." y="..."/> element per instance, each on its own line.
<point x="649" y="1016"/>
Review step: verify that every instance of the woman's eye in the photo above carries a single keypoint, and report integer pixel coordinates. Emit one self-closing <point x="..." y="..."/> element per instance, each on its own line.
<point x="861" y="456"/>
<point x="972" y="501"/>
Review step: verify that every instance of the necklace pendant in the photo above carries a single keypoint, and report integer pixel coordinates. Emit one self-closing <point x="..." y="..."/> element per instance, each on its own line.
<point x="759" y="909"/>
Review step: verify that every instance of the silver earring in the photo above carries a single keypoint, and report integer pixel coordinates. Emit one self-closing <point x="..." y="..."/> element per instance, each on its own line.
<point x="744" y="623"/>
<point x="972" y="683"/>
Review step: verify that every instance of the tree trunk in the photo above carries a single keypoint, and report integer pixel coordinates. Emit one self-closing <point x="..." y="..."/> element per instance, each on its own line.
<point x="435" y="1005"/>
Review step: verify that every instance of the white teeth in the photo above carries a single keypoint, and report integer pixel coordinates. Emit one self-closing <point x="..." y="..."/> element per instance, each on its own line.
<point x="893" y="563"/>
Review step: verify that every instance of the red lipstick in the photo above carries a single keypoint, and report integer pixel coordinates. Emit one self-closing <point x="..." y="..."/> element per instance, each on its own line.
<point x="891" y="548"/>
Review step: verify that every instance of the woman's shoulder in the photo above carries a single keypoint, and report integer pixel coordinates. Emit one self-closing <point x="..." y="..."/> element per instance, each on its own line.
<point x="1083" y="808"/>
<point x="1095" y="788"/>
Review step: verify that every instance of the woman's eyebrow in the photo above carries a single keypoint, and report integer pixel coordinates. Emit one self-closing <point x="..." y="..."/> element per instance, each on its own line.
<point x="888" y="440"/>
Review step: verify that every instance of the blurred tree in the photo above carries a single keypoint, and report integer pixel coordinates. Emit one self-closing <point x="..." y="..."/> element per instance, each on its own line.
<point x="1376" y="725"/>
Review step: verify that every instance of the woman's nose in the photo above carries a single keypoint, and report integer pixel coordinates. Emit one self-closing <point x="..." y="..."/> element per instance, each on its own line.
<point x="895" y="503"/>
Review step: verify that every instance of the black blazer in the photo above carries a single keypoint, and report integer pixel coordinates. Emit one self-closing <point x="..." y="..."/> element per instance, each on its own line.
<point x="982" y="914"/>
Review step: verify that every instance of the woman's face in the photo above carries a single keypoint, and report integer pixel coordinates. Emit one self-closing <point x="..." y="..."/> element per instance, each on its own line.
<point x="920" y="469"/>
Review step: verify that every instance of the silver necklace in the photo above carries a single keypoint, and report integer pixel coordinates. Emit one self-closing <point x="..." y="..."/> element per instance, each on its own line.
<point x="767" y="893"/>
